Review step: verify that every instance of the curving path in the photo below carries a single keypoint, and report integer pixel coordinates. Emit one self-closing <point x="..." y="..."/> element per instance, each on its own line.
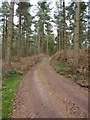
<point x="42" y="93"/>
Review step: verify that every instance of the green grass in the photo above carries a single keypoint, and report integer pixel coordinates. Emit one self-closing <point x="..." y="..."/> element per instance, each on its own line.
<point x="8" y="94"/>
<point x="46" y="59"/>
<point x="81" y="78"/>
<point x="61" y="68"/>
<point x="10" y="73"/>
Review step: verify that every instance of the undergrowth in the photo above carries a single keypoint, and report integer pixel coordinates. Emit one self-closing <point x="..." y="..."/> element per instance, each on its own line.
<point x="11" y="78"/>
<point x="62" y="68"/>
<point x="10" y="73"/>
<point x="8" y="94"/>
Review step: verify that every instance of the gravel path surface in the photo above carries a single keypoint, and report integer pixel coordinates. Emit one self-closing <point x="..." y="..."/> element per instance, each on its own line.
<point x="42" y="93"/>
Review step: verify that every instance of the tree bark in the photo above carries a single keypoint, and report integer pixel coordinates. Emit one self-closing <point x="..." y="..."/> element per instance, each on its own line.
<point x="27" y="43"/>
<point x="35" y="45"/>
<point x="19" y="36"/>
<point x="9" y="34"/>
<point x="88" y="36"/>
<point x="65" y="36"/>
<point x="59" y="41"/>
<point x="38" y="36"/>
<point x="76" y="39"/>
<point x="47" y="51"/>
<point x="43" y="37"/>
<point x="3" y="42"/>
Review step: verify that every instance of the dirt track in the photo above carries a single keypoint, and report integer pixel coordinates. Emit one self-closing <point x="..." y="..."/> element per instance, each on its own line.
<point x="42" y="93"/>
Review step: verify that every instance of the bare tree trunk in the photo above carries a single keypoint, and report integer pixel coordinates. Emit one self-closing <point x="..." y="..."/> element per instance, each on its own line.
<point x="35" y="45"/>
<point x="23" y="44"/>
<point x="59" y="41"/>
<point x="19" y="36"/>
<point x="27" y="44"/>
<point x="47" y="51"/>
<point x="88" y="36"/>
<point x="76" y="38"/>
<point x="43" y="37"/>
<point x="9" y="34"/>
<point x="62" y="40"/>
<point x="3" y="42"/>
<point x="61" y="45"/>
<point x="65" y="36"/>
<point x="38" y="36"/>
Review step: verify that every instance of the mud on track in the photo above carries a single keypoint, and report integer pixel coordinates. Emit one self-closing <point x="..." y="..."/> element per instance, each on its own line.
<point x="42" y="93"/>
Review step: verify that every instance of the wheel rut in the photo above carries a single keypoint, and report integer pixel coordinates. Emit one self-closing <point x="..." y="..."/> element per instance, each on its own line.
<point x="42" y="93"/>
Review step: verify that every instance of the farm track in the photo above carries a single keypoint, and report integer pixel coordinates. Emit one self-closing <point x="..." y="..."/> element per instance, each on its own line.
<point x="42" y="93"/>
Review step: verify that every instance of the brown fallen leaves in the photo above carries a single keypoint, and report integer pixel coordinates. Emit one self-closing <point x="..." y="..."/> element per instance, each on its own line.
<point x="83" y="66"/>
<point x="24" y="64"/>
<point x="83" y="59"/>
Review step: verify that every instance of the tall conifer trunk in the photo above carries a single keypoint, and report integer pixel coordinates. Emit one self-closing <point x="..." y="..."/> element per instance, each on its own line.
<point x="3" y="42"/>
<point x="65" y="37"/>
<point x="59" y="41"/>
<point x="47" y="51"/>
<point x="9" y="35"/>
<point x="76" y="38"/>
<point x="43" y="37"/>
<point x="19" y="35"/>
<point x="38" y="36"/>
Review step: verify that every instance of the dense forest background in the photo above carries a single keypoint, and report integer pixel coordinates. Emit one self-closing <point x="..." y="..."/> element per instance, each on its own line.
<point x="56" y="37"/>
<point x="41" y="32"/>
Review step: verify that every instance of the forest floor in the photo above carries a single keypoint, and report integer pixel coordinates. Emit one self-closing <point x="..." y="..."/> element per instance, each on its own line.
<point x="43" y="93"/>
<point x="65" y="67"/>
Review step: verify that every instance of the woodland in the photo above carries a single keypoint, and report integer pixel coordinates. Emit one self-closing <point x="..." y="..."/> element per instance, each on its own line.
<point x="71" y="23"/>
<point x="30" y="33"/>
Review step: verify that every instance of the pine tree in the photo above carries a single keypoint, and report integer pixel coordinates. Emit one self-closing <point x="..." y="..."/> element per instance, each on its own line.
<point x="59" y="24"/>
<point x="43" y="16"/>
<point x="24" y="28"/>
<point x="76" y="37"/>
<point x="4" y="14"/>
<point x="70" y="19"/>
<point x="9" y="35"/>
<point x="49" y="40"/>
<point x="65" y="34"/>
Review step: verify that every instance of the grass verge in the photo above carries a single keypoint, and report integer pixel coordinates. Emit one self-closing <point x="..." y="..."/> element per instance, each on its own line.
<point x="11" y="78"/>
<point x="8" y="94"/>
<point x="62" y="68"/>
